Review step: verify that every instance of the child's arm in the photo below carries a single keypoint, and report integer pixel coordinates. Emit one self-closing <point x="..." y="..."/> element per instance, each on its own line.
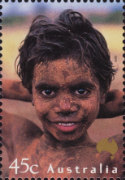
<point x="113" y="105"/>
<point x="17" y="134"/>
<point x="13" y="89"/>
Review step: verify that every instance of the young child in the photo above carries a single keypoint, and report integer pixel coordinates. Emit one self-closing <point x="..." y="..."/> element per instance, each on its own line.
<point x="66" y="66"/>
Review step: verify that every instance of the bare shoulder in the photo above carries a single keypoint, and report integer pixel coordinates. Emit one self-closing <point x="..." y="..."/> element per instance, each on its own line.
<point x="18" y="133"/>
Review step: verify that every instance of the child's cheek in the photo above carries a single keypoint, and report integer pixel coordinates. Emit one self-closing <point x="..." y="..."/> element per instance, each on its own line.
<point x="91" y="109"/>
<point x="94" y="108"/>
<point x="42" y="107"/>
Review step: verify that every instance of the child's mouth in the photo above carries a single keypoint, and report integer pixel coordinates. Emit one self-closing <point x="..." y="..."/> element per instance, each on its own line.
<point x="67" y="126"/>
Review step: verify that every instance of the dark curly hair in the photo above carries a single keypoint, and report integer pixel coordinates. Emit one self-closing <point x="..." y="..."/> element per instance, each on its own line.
<point x="70" y="35"/>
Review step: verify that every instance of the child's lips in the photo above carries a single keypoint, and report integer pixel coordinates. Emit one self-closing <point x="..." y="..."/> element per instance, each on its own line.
<point x="67" y="126"/>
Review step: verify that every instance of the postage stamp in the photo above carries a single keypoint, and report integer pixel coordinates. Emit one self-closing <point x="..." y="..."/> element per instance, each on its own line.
<point x="62" y="90"/>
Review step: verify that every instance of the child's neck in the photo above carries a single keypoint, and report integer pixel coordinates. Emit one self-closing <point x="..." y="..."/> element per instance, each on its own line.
<point x="50" y="142"/>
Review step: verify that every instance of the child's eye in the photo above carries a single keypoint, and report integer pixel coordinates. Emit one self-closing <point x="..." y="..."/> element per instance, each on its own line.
<point x="82" y="91"/>
<point x="48" y="92"/>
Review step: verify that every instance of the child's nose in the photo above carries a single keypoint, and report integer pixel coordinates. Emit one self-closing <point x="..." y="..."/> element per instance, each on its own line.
<point x="66" y="106"/>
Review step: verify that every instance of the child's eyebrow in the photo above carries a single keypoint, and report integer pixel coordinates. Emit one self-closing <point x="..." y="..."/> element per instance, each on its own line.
<point x="82" y="84"/>
<point x="46" y="85"/>
<point x="71" y="85"/>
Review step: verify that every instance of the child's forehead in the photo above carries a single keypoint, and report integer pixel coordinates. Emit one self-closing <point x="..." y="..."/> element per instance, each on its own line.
<point x="63" y="70"/>
<point x="62" y="65"/>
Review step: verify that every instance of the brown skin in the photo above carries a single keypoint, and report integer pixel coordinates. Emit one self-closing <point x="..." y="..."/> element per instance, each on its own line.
<point x="20" y="131"/>
<point x="13" y="89"/>
<point x="83" y="156"/>
<point x="113" y="105"/>
<point x="81" y="108"/>
<point x="56" y="147"/>
<point x="17" y="134"/>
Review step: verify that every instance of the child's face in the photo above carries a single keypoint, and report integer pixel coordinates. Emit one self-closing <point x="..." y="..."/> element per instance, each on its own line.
<point x="66" y="97"/>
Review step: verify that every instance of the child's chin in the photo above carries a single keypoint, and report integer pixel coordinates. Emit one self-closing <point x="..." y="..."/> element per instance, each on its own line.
<point x="65" y="137"/>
